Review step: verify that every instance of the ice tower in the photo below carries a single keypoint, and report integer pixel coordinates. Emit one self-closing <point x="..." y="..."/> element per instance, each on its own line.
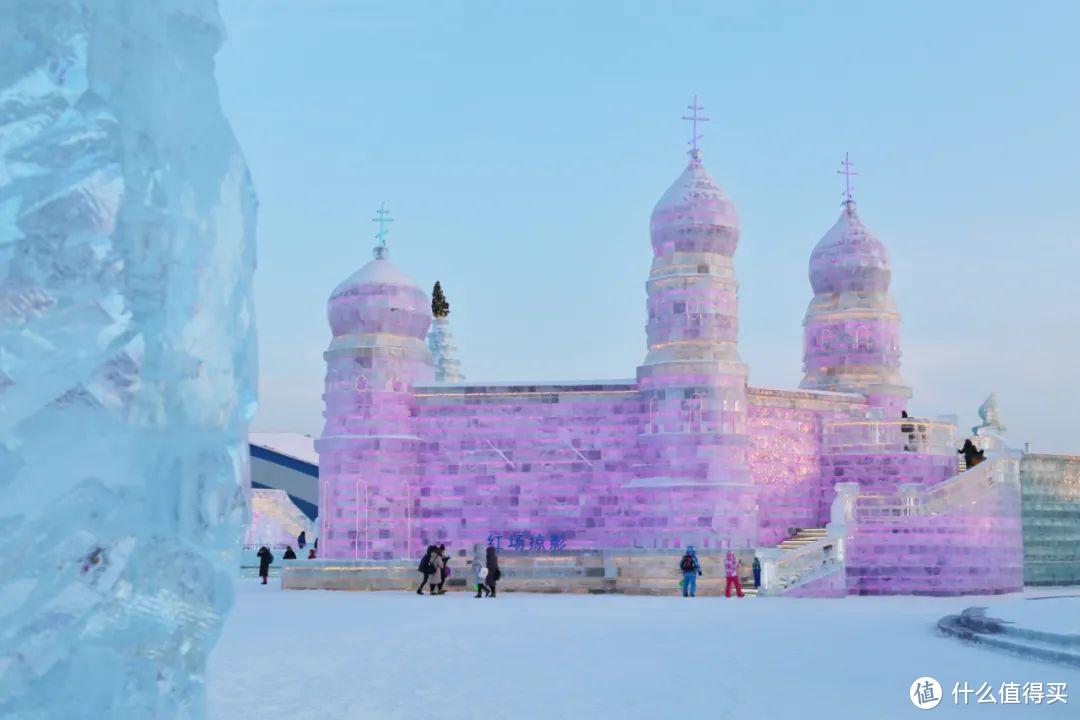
<point x="368" y="450"/>
<point x="851" y="340"/>
<point x="693" y="382"/>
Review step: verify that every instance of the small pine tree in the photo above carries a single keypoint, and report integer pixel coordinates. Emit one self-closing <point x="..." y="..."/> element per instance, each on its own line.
<point x="439" y="306"/>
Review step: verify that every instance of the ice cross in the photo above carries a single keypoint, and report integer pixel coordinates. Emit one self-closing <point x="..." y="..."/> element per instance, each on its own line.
<point x="383" y="218"/>
<point x="694" y="119"/>
<point x="847" y="172"/>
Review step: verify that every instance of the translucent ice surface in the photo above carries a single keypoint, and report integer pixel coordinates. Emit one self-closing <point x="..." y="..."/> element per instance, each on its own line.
<point x="127" y="356"/>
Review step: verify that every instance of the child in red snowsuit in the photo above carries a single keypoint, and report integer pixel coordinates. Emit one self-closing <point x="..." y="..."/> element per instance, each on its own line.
<point x="731" y="569"/>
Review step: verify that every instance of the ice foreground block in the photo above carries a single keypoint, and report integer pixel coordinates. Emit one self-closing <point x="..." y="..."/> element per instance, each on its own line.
<point x="127" y="357"/>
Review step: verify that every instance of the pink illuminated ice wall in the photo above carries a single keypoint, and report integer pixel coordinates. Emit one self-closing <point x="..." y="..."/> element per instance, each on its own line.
<point x="684" y="453"/>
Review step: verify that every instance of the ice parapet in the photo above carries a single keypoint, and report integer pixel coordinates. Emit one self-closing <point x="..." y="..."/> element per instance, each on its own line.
<point x="127" y="356"/>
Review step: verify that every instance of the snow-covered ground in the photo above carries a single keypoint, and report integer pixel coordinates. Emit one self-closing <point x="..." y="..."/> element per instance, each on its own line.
<point x="306" y="655"/>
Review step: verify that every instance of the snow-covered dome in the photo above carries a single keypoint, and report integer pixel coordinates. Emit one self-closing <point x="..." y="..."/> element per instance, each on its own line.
<point x="694" y="215"/>
<point x="850" y="258"/>
<point x="379" y="298"/>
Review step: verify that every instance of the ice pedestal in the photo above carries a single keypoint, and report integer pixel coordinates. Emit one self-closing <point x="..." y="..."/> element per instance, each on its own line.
<point x="127" y="360"/>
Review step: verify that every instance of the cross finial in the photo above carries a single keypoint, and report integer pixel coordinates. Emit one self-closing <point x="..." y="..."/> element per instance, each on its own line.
<point x="847" y="172"/>
<point x="383" y="217"/>
<point x="694" y="119"/>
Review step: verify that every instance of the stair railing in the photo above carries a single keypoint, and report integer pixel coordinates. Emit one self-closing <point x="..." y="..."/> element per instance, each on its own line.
<point x="962" y="494"/>
<point x="782" y="570"/>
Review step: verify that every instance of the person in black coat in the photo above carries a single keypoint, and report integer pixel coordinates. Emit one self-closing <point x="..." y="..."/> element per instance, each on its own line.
<point x="972" y="455"/>
<point x="492" y="564"/>
<point x="425" y="569"/>
<point x="289" y="553"/>
<point x="301" y="539"/>
<point x="265" y="558"/>
<point x="444" y="572"/>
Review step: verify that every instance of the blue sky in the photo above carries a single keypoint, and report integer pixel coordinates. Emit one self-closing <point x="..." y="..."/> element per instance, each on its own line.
<point x="521" y="147"/>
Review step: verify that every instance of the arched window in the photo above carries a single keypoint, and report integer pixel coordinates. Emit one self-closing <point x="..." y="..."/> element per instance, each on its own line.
<point x="653" y="425"/>
<point x="825" y="339"/>
<point x="693" y="414"/>
<point x="862" y="338"/>
<point x="361" y="383"/>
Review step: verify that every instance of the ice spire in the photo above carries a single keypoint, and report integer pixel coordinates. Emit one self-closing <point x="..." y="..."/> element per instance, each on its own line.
<point x="847" y="172"/>
<point x="383" y="217"/>
<point x="694" y="118"/>
<point x="441" y="341"/>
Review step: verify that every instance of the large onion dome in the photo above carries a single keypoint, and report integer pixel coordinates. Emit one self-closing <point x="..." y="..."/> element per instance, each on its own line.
<point x="850" y="258"/>
<point x="379" y="298"/>
<point x="694" y="215"/>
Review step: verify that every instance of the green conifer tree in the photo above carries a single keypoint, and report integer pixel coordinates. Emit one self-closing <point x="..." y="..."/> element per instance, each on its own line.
<point x="439" y="306"/>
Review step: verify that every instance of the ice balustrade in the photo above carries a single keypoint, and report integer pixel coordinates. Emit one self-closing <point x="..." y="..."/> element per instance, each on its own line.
<point x="783" y="570"/>
<point x="967" y="493"/>
<point x="890" y="436"/>
<point x="973" y="492"/>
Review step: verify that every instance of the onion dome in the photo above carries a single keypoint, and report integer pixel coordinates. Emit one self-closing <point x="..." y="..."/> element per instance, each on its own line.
<point x="694" y="215"/>
<point x="379" y="298"/>
<point x="850" y="258"/>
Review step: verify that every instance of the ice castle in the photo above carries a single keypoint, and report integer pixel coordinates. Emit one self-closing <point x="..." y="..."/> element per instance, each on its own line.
<point x="833" y="487"/>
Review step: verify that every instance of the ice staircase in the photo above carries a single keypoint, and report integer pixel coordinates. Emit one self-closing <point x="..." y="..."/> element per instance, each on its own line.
<point x="809" y="563"/>
<point x="803" y="536"/>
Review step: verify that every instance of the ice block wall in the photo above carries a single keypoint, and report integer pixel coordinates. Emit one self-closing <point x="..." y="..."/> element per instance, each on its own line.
<point x="961" y="537"/>
<point x="127" y="368"/>
<point x="539" y="464"/>
<point x="786" y="459"/>
<point x="1051" y="518"/>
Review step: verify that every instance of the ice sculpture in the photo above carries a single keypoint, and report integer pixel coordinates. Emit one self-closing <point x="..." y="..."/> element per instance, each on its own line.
<point x="127" y="357"/>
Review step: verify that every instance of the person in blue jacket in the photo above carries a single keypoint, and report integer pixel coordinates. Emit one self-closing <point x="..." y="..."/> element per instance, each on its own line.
<point x="691" y="569"/>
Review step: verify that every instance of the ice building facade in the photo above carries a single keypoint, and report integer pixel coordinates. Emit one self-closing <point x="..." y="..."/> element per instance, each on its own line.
<point x="685" y="452"/>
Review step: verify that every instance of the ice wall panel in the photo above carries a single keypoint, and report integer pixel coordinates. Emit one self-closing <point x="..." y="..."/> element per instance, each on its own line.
<point x="128" y="357"/>
<point x="1051" y="518"/>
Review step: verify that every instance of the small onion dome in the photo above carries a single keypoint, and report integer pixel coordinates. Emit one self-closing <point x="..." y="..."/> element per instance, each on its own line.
<point x="379" y="298"/>
<point x="849" y="258"/>
<point x="694" y="215"/>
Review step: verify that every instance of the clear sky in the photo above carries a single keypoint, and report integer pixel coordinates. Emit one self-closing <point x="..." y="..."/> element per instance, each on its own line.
<point x="522" y="145"/>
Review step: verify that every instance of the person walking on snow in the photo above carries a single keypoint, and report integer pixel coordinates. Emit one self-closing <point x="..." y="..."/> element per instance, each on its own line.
<point x="265" y="558"/>
<point x="691" y="569"/>
<point x="425" y="568"/>
<point x="480" y="573"/>
<point x="435" y="560"/>
<point x="301" y="539"/>
<point x="493" y="572"/>
<point x="445" y="573"/>
<point x="731" y="569"/>
<point x="756" y="567"/>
